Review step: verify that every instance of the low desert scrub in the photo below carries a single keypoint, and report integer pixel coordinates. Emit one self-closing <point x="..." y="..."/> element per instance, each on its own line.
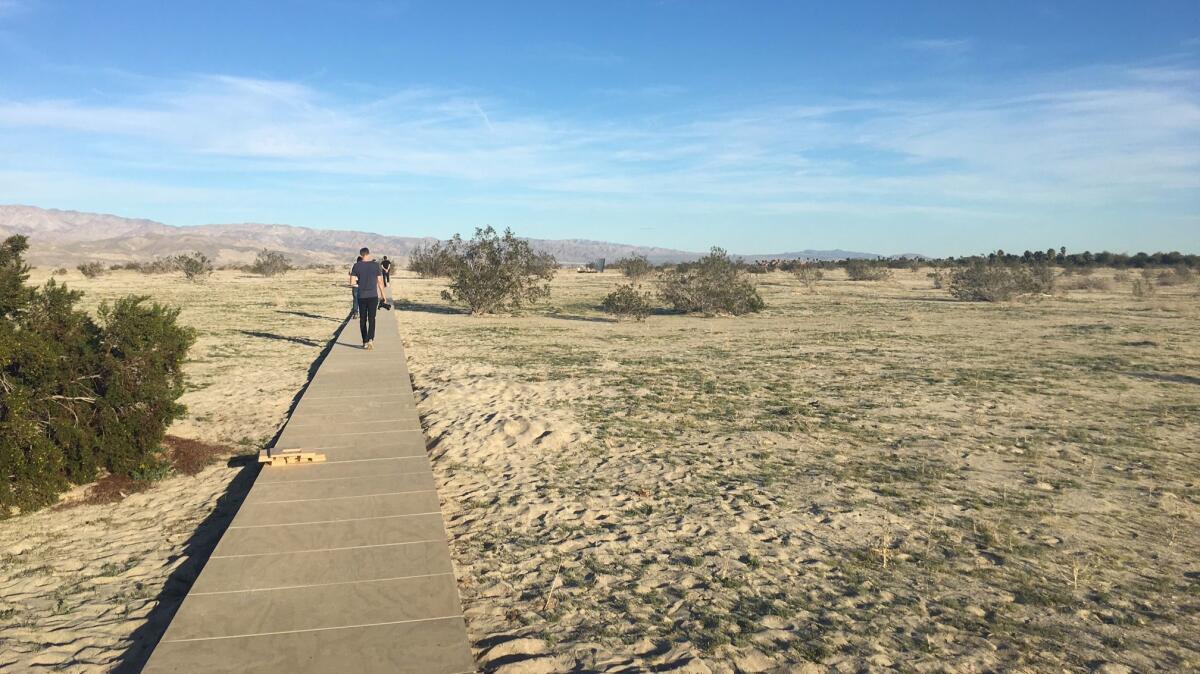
<point x="430" y="260"/>
<point x="270" y="263"/>
<point x="997" y="282"/>
<point x="713" y="285"/>
<point x="1142" y="288"/>
<point x="61" y="271"/>
<point x="195" y="266"/>
<point x="493" y="273"/>
<point x="92" y="269"/>
<point x="628" y="302"/>
<point x="809" y="276"/>
<point x="862" y="270"/>
<point x="1176" y="276"/>
<point x="635" y="267"/>
<point x="1085" y="282"/>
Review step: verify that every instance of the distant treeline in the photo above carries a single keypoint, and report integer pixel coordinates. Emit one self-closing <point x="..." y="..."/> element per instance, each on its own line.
<point x="1060" y="258"/>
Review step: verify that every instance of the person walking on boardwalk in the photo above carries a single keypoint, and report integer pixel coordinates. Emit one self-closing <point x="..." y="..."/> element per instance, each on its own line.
<point x="367" y="276"/>
<point x="354" y="292"/>
<point x="386" y="265"/>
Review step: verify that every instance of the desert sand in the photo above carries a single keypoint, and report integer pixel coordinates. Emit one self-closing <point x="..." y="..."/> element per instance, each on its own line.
<point x="864" y="477"/>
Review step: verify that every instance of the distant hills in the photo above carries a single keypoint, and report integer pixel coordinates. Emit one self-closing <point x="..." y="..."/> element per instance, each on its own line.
<point x="70" y="237"/>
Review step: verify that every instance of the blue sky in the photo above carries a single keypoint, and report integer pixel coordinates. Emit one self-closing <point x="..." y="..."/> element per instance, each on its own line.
<point x="934" y="127"/>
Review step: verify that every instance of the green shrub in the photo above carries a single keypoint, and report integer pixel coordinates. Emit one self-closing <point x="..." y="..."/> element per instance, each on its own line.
<point x="635" y="266"/>
<point x="80" y="395"/>
<point x="270" y="263"/>
<point x="715" y="284"/>
<point x="862" y="270"/>
<point x="493" y="273"/>
<point x="628" y="302"/>
<point x="430" y="260"/>
<point x="982" y="281"/>
<point x="92" y="269"/>
<point x="195" y="266"/>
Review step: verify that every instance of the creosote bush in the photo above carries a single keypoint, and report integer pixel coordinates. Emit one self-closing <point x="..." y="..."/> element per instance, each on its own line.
<point x="195" y="266"/>
<point x="430" y="260"/>
<point x="493" y="273"/>
<point x="998" y="282"/>
<point x="270" y="263"/>
<point x="77" y="394"/>
<point x="92" y="269"/>
<point x="809" y="275"/>
<point x="862" y="270"/>
<point x="635" y="266"/>
<point x="715" y="284"/>
<point x="627" y="301"/>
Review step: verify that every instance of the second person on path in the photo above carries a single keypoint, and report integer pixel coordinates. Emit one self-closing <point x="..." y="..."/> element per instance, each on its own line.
<point x="368" y="278"/>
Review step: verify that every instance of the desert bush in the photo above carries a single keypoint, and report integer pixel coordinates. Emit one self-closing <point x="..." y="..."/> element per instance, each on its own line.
<point x="1176" y="276"/>
<point x="80" y="394"/>
<point x="92" y="269"/>
<point x="635" y="266"/>
<point x="808" y="275"/>
<point x="430" y="260"/>
<point x="997" y="282"/>
<point x="628" y="301"/>
<point x="270" y="263"/>
<point x="195" y="266"/>
<point x="1142" y="288"/>
<point x="61" y="271"/>
<point x="862" y="270"/>
<point x="1086" y="282"/>
<point x="1121" y="276"/>
<point x="937" y="277"/>
<point x="493" y="273"/>
<point x="715" y="284"/>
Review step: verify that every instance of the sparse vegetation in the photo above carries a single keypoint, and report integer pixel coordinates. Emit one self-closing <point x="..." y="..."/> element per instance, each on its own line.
<point x="195" y="266"/>
<point x="864" y="270"/>
<point x="491" y="273"/>
<point x="997" y="282"/>
<point x="627" y="301"/>
<point x="430" y="260"/>
<point x="92" y="269"/>
<point x="713" y="285"/>
<point x="635" y="266"/>
<point x="808" y="275"/>
<point x="270" y="263"/>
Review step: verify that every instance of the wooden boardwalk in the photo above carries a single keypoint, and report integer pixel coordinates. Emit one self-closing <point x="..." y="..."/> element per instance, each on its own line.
<point x="339" y="566"/>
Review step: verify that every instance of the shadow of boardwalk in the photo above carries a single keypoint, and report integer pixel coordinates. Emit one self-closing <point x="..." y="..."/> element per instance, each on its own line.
<point x="402" y="305"/>
<point x="283" y="338"/>
<point x="307" y="314"/>
<point x="197" y="551"/>
<point x="203" y="540"/>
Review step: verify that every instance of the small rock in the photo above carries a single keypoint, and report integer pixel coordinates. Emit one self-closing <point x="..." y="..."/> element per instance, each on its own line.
<point x="1112" y="668"/>
<point x="976" y="611"/>
<point x="753" y="661"/>
<point x="1044" y="486"/>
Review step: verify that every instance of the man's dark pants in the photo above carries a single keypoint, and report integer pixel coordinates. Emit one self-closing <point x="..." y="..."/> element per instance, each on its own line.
<point x="366" y="317"/>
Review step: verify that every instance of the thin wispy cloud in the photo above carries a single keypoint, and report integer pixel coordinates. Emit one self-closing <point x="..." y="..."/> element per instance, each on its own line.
<point x="992" y="154"/>
<point x="943" y="46"/>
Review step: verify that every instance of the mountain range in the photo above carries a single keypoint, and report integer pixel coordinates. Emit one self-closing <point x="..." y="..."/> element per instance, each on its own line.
<point x="70" y="237"/>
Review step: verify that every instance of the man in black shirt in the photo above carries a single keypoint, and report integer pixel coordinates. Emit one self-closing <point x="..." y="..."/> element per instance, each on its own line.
<point x="386" y="265"/>
<point x="368" y="278"/>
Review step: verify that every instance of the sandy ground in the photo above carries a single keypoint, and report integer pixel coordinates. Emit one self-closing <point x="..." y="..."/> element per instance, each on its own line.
<point x="867" y="477"/>
<point x="85" y="588"/>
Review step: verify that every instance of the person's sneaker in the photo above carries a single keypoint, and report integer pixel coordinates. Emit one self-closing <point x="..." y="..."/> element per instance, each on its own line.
<point x="371" y="345"/>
